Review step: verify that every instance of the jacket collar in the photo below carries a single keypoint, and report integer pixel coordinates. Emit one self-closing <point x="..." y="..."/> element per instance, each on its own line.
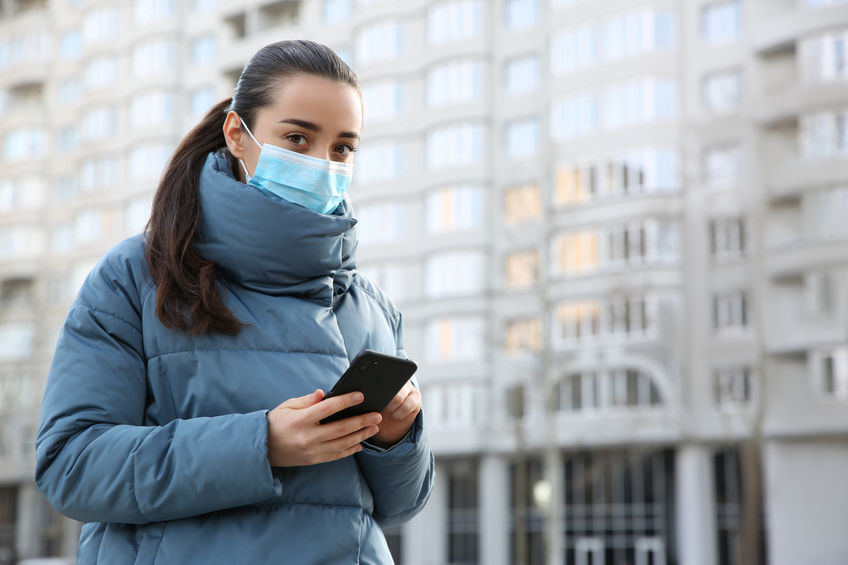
<point x="271" y="245"/>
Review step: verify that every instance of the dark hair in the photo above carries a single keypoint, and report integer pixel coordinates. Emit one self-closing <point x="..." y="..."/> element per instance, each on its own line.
<point x="187" y="296"/>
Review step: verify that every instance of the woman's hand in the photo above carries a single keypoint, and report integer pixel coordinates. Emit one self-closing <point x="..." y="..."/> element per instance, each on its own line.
<point x="295" y="436"/>
<point x="398" y="416"/>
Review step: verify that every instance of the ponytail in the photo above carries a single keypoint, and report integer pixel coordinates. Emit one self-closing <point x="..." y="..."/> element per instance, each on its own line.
<point x="187" y="298"/>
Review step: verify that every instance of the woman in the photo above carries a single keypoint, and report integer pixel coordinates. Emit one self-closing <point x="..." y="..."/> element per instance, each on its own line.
<point x="180" y="417"/>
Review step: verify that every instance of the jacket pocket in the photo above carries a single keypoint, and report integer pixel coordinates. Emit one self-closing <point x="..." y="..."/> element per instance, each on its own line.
<point x="150" y="540"/>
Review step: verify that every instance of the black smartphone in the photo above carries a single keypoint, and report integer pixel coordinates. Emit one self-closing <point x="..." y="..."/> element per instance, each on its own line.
<point x="377" y="376"/>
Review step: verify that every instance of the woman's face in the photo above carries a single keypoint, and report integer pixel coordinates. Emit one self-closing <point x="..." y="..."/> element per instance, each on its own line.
<point x="311" y="115"/>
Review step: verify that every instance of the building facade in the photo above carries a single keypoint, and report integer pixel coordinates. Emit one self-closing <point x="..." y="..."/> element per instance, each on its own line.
<point x="616" y="228"/>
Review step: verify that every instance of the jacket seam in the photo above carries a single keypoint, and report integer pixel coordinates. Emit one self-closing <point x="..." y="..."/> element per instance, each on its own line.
<point x="111" y="315"/>
<point x="258" y="349"/>
<point x="392" y="317"/>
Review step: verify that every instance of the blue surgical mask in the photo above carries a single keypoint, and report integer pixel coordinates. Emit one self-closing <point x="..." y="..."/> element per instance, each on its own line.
<point x="317" y="184"/>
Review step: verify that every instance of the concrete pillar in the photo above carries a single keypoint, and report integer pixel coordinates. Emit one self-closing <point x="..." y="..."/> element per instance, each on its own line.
<point x="71" y="530"/>
<point x="695" y="506"/>
<point x="30" y="521"/>
<point x="425" y="537"/>
<point x="494" y="510"/>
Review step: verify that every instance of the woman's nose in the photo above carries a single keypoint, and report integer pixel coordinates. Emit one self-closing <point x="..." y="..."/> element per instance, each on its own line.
<point x="320" y="153"/>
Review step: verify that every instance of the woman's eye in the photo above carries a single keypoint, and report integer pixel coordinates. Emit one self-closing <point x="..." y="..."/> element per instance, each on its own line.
<point x="296" y="138"/>
<point x="345" y="150"/>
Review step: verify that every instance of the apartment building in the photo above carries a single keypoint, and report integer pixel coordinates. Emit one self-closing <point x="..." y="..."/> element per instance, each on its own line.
<point x="616" y="229"/>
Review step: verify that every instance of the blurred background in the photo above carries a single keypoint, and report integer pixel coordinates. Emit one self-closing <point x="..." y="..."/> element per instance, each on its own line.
<point x="617" y="230"/>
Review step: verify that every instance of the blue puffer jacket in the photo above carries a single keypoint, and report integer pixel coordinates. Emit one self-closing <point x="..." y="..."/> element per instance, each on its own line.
<point x="158" y="440"/>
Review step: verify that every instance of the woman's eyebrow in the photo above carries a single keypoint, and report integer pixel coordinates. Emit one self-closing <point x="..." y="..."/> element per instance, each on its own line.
<point x="315" y="127"/>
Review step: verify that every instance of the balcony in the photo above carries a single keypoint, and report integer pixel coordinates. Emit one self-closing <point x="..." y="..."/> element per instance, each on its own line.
<point x="786" y="104"/>
<point x="797" y="257"/>
<point x="783" y="31"/>
<point x="791" y="177"/>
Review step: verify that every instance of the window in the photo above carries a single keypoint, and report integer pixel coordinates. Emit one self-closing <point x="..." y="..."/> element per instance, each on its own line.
<point x="378" y="161"/>
<point x="453" y="21"/>
<point x="613" y="389"/>
<point x="727" y="237"/>
<point x="381" y="223"/>
<point x="823" y="3"/>
<point x="147" y="160"/>
<point x="137" y="213"/>
<point x="830" y="371"/>
<point x="521" y="14"/>
<point x="23" y="242"/>
<point x="337" y="11"/>
<point x="98" y="172"/>
<point x="463" y="513"/>
<point x="62" y="238"/>
<point x="454" y="209"/>
<point x="629" y="316"/>
<point x="578" y="322"/>
<point x="522" y="138"/>
<point x="101" y="24"/>
<point x="69" y="91"/>
<point x="721" y="21"/>
<point x="824" y="58"/>
<point x="450" y="405"/>
<point x="721" y="91"/>
<point x="204" y="49"/>
<point x="819" y="289"/>
<point x="574" y="49"/>
<point x="379" y="42"/>
<point x="16" y="341"/>
<point x="522" y="269"/>
<point x="383" y="101"/>
<point x="730" y="310"/>
<point x="455" y="339"/>
<point x="71" y="45"/>
<point x="824" y="135"/>
<point x="204" y="5"/>
<point x="88" y="226"/>
<point x="201" y="100"/>
<point x="65" y="189"/>
<point x="26" y="193"/>
<point x="454" y="273"/>
<point x="823" y="214"/>
<point x="99" y="123"/>
<point x="15" y="398"/>
<point x="638" y="102"/>
<point x="454" y="83"/>
<point x="25" y="48"/>
<point x="67" y="139"/>
<point x="636" y="32"/>
<point x="454" y="145"/>
<point x="722" y="164"/>
<point x="25" y="143"/>
<point x="148" y="11"/>
<point x="153" y="108"/>
<point x="573" y="116"/>
<point x="153" y="56"/>
<point x="101" y="71"/>
<point x="576" y="253"/>
<point x="522" y="203"/>
<point x="622" y="173"/>
<point x="732" y="386"/>
<point x="521" y="74"/>
<point x="523" y="335"/>
<point x="391" y="278"/>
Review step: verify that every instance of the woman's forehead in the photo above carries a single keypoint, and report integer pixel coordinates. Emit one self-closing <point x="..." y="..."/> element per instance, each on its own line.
<point x="331" y="104"/>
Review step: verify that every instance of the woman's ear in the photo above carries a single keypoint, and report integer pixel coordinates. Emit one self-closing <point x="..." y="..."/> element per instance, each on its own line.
<point x="234" y="134"/>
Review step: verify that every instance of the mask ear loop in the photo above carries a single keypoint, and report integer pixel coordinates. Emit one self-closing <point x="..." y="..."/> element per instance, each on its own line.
<point x="247" y="175"/>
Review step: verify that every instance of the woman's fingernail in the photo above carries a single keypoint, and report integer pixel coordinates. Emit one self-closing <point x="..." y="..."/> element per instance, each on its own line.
<point x="358" y="397"/>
